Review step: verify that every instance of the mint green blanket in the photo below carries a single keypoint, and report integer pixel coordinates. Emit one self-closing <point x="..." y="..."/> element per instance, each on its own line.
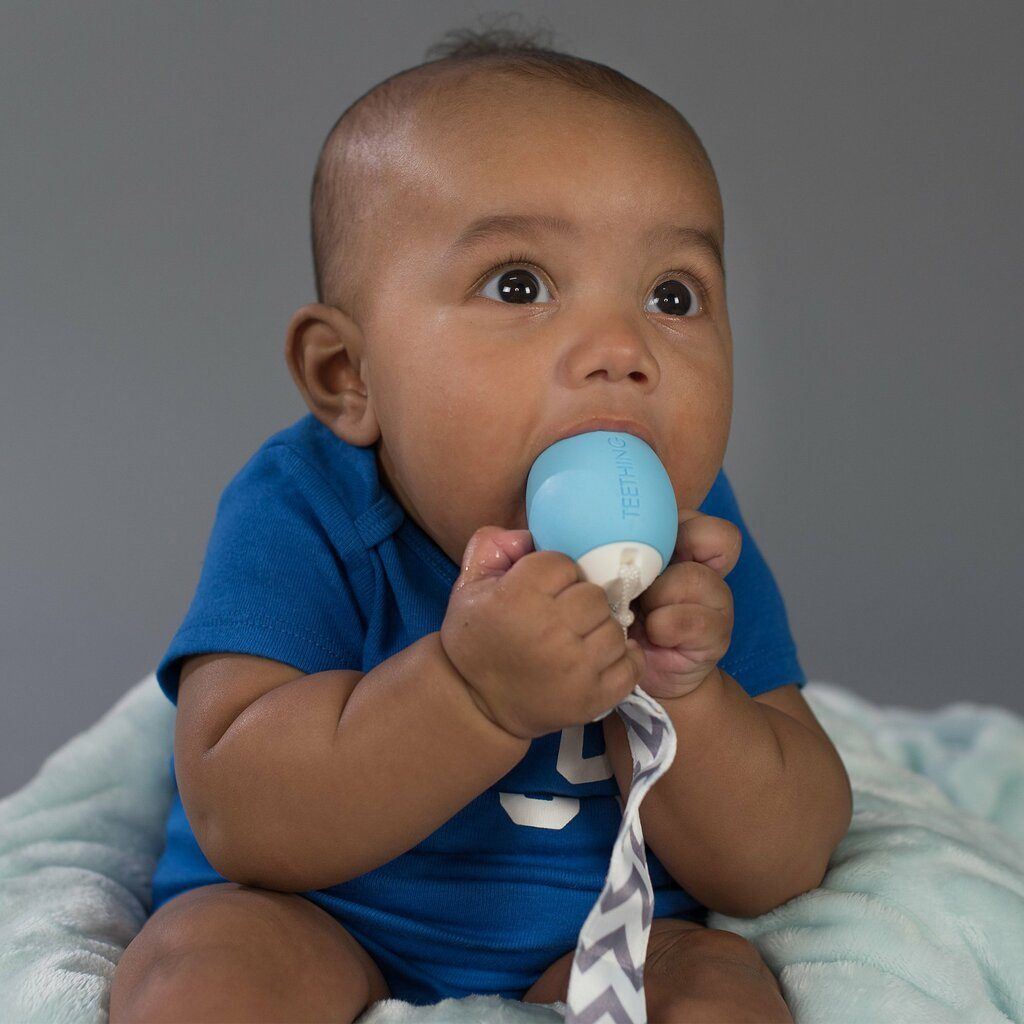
<point x="920" y="917"/>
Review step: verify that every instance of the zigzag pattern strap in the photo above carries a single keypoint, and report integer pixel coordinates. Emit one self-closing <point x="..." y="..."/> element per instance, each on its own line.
<point x="606" y="982"/>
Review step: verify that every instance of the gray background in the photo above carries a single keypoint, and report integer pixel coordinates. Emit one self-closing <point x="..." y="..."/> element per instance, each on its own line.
<point x="156" y="162"/>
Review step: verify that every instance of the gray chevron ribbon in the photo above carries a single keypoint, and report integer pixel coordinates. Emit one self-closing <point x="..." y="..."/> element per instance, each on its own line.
<point x="607" y="975"/>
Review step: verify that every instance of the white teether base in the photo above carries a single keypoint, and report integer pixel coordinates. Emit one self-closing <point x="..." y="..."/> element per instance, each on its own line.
<point x="602" y="565"/>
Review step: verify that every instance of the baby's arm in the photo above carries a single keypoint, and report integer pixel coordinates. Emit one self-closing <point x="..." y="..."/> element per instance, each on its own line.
<point x="756" y="801"/>
<point x="324" y="777"/>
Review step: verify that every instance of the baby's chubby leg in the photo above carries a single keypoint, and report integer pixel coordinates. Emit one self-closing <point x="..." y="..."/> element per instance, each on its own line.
<point x="231" y="952"/>
<point x="692" y="975"/>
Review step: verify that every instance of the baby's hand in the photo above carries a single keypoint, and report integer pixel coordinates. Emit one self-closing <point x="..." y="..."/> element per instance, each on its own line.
<point x="684" y="618"/>
<point x="534" y="641"/>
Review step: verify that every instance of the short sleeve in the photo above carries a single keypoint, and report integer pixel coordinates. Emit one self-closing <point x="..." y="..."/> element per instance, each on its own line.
<point x="762" y="654"/>
<point x="272" y="583"/>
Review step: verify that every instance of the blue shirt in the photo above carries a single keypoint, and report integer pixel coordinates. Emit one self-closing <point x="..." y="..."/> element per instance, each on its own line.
<point x="313" y="562"/>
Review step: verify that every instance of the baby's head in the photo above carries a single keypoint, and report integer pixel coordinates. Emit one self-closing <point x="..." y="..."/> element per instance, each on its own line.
<point x="459" y="344"/>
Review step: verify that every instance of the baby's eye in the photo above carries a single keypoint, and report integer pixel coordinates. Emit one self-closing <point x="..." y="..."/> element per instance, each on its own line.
<point x="517" y="285"/>
<point x="676" y="298"/>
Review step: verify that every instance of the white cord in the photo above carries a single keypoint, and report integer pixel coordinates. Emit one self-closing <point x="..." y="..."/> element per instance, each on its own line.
<point x="629" y="585"/>
<point x="621" y="591"/>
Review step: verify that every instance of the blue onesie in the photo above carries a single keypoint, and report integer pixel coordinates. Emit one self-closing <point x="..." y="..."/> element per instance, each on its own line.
<point x="313" y="562"/>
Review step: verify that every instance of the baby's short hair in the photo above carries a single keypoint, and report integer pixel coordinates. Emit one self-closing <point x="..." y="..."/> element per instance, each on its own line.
<point x="461" y="55"/>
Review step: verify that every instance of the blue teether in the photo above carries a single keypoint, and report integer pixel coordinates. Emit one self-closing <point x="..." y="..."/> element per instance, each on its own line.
<point x="604" y="499"/>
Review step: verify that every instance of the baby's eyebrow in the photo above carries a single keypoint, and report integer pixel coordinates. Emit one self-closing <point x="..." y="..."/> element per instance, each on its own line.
<point x="530" y="225"/>
<point x="535" y="225"/>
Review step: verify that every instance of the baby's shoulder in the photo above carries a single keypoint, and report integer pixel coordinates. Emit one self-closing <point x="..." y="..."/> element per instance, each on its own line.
<point x="305" y="464"/>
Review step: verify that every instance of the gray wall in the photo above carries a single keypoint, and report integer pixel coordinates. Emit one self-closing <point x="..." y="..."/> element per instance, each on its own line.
<point x="155" y="167"/>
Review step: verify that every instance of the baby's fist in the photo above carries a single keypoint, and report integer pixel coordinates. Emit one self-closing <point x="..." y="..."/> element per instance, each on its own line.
<point x="684" y="619"/>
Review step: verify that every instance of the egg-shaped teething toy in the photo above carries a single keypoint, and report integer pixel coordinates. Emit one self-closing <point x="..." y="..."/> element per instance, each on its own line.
<point x="604" y="499"/>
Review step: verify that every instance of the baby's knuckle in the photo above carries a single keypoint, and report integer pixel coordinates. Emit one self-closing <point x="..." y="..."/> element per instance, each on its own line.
<point x="660" y="633"/>
<point x="689" y="576"/>
<point x="621" y="677"/>
<point x="707" y="582"/>
<point x="560" y="568"/>
<point x="716" y="587"/>
<point x="568" y="659"/>
<point x="610" y="632"/>
<point x="735" y="539"/>
<point x="535" y="570"/>
<point x="690" y="620"/>
<point x="733" y="535"/>
<point x="596" y="599"/>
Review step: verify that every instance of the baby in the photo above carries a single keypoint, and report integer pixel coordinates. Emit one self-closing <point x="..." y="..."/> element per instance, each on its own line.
<point x="389" y="780"/>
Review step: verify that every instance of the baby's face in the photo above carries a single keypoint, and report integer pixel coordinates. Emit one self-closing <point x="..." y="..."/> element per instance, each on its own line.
<point x="468" y="385"/>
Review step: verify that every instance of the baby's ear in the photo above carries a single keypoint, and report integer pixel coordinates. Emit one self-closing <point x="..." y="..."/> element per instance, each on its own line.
<point x="323" y="349"/>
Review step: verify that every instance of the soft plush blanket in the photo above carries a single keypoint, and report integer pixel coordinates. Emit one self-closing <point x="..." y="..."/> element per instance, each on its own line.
<point x="920" y="917"/>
